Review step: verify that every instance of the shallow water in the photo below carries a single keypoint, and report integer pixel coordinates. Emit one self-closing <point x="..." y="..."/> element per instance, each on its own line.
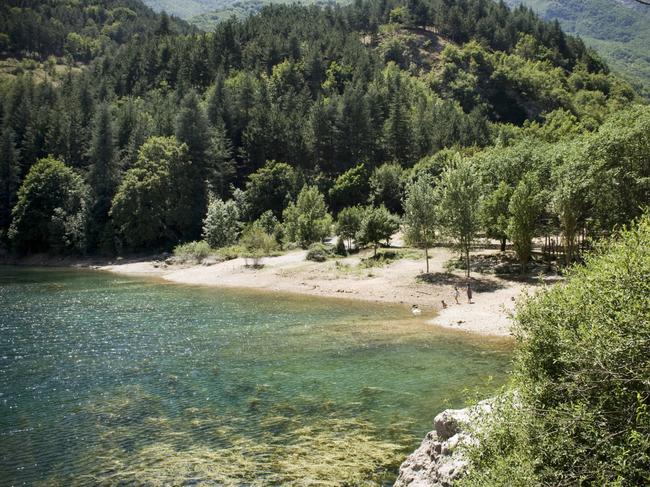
<point x="113" y="380"/>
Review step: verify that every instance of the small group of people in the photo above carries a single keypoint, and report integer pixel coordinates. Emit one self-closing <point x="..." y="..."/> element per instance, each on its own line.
<point x="457" y="295"/>
<point x="415" y="309"/>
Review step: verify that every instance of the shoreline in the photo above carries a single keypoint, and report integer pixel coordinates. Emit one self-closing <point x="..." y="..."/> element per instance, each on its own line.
<point x="395" y="283"/>
<point x="400" y="282"/>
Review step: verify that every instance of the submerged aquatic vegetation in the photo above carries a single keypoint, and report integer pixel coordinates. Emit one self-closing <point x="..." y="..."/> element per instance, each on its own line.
<point x="306" y="445"/>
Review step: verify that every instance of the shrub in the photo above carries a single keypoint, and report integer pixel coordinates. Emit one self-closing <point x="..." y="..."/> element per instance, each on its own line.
<point x="257" y="243"/>
<point x="319" y="252"/>
<point x="580" y="415"/>
<point x="307" y="220"/>
<point x="270" y="224"/>
<point x="192" y="251"/>
<point x="377" y="225"/>
<point x="221" y="223"/>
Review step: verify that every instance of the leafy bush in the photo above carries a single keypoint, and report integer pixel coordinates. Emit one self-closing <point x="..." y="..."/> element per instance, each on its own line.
<point x="319" y="252"/>
<point x="271" y="225"/>
<point x="377" y="225"/>
<point x="230" y="252"/>
<point x="257" y="243"/>
<point x="580" y="415"/>
<point x="221" y="223"/>
<point x="192" y="251"/>
<point x="307" y="220"/>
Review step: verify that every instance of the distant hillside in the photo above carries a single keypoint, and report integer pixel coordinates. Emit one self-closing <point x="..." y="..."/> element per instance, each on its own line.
<point x="618" y="30"/>
<point x="189" y="8"/>
<point x="242" y="9"/>
<point x="205" y="14"/>
<point x="80" y="29"/>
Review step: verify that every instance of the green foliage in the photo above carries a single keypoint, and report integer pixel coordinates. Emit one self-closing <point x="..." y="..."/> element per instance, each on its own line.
<point x="193" y="252"/>
<point x="192" y="129"/>
<point x="348" y="223"/>
<point x="102" y="177"/>
<point x="51" y="212"/>
<point x="386" y="187"/>
<point x="328" y="92"/>
<point x="79" y="28"/>
<point x="579" y="415"/>
<point x="377" y="225"/>
<point x="307" y="221"/>
<point x="271" y="187"/>
<point x="620" y="32"/>
<point x="257" y="243"/>
<point x="495" y="214"/>
<point x="618" y="167"/>
<point x="525" y="207"/>
<point x="319" y="252"/>
<point x="221" y="223"/>
<point x="148" y="209"/>
<point x="271" y="225"/>
<point x="8" y="179"/>
<point x="350" y="188"/>
<point x="420" y="215"/>
<point x="458" y="196"/>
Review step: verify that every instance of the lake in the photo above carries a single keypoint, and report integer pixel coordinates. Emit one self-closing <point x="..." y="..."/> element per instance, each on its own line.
<point x="108" y="380"/>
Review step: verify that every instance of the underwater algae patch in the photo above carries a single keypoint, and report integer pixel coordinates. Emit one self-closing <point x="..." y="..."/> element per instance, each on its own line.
<point x="199" y="446"/>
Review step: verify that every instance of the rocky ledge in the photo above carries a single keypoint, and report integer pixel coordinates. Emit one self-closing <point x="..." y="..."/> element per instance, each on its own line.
<point x="440" y="459"/>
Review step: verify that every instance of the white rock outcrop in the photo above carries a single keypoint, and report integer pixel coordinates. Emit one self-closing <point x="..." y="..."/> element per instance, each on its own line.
<point x="439" y="460"/>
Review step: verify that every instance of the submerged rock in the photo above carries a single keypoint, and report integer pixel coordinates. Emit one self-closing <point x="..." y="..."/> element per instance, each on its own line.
<point x="440" y="459"/>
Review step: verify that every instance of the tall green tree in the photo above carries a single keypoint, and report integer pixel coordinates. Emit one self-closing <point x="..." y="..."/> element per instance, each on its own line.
<point x="526" y="205"/>
<point x="420" y="215"/>
<point x="51" y="212"/>
<point x="350" y="188"/>
<point x="271" y="187"/>
<point x="386" y="187"/>
<point x="495" y="213"/>
<point x="150" y="208"/>
<point x="459" y="192"/>
<point x="307" y="220"/>
<point x="8" y="179"/>
<point x="103" y="178"/>
<point x="377" y="225"/>
<point x="192" y="129"/>
<point x="348" y="223"/>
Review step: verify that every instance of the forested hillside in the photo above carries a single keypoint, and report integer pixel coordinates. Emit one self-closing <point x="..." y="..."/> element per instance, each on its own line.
<point x="79" y="29"/>
<point x="619" y="30"/>
<point x="344" y="106"/>
<point x="206" y="13"/>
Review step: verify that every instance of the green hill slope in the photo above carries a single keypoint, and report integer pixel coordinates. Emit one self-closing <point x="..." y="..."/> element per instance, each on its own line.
<point x="619" y="31"/>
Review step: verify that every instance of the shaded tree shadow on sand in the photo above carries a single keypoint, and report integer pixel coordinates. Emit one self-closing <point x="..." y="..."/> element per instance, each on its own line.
<point x="479" y="284"/>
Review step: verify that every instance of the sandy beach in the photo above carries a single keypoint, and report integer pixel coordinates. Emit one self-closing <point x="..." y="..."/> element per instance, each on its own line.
<point x="396" y="282"/>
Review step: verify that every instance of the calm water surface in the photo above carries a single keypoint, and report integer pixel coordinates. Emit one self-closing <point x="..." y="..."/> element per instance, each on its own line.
<point x="107" y="380"/>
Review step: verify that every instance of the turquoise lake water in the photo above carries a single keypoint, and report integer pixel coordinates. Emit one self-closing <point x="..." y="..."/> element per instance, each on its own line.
<point x="110" y="380"/>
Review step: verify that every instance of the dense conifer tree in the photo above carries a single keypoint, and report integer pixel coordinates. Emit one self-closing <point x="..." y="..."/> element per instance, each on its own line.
<point x="102" y="178"/>
<point x="8" y="179"/>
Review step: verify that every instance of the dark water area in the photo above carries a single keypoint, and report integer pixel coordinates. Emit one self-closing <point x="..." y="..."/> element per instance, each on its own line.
<point x="111" y="380"/>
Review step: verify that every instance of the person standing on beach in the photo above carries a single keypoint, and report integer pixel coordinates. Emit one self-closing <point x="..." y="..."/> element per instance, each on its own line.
<point x="456" y="294"/>
<point x="469" y="293"/>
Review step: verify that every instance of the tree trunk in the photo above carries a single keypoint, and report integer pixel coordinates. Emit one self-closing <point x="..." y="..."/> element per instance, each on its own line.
<point x="503" y="244"/>
<point x="426" y="256"/>
<point x="375" y="251"/>
<point x="467" y="259"/>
